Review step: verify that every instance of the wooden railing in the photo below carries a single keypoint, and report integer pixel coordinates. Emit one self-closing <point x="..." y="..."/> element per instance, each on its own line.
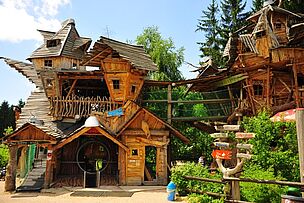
<point x="78" y="107"/>
<point x="115" y="123"/>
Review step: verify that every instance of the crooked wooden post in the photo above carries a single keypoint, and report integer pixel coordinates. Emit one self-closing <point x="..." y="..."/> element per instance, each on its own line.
<point x="169" y="113"/>
<point x="10" y="178"/>
<point x="300" y="136"/>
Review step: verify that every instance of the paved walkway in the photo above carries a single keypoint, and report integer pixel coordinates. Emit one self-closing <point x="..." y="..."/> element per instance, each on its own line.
<point x="141" y="194"/>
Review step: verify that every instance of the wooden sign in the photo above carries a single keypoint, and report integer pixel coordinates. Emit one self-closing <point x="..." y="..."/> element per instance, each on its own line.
<point x="239" y="135"/>
<point x="221" y="144"/>
<point x="231" y="127"/>
<point x="244" y="146"/>
<point x="221" y="154"/>
<point x="219" y="135"/>
<point x="242" y="155"/>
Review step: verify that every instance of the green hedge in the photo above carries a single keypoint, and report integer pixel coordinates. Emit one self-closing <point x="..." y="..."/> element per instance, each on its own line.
<point x="3" y="155"/>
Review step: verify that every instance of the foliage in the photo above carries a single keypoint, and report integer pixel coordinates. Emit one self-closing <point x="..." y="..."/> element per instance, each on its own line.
<point x="209" y="25"/>
<point x="200" y="141"/>
<point x="3" y="155"/>
<point x="275" y="146"/>
<point x="197" y="170"/>
<point x="296" y="6"/>
<point x="163" y="53"/>
<point x="232" y="17"/>
<point x="196" y="198"/>
<point x="257" y="5"/>
<point x="260" y="193"/>
<point x="7" y="117"/>
<point x="9" y="130"/>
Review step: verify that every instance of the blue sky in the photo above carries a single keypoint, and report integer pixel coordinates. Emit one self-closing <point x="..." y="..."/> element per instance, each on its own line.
<point x="121" y="19"/>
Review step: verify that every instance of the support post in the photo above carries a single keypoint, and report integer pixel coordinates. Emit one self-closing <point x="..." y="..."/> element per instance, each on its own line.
<point x="49" y="168"/>
<point x="296" y="84"/>
<point x="10" y="178"/>
<point x="300" y="136"/>
<point x="169" y="113"/>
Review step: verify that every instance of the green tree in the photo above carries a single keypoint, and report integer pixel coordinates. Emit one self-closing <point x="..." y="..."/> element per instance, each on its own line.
<point x="274" y="146"/>
<point x="296" y="6"/>
<point x="209" y="25"/>
<point x="7" y="117"/>
<point x="232" y="18"/>
<point x="257" y="5"/>
<point x="163" y="53"/>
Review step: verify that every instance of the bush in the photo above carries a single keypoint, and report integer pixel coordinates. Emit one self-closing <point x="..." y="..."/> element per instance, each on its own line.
<point x="275" y="146"/>
<point x="196" y="198"/>
<point x="197" y="170"/>
<point x="3" y="155"/>
<point x="260" y="193"/>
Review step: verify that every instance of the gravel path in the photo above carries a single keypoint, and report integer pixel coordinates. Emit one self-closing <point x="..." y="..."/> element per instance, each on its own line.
<point x="152" y="195"/>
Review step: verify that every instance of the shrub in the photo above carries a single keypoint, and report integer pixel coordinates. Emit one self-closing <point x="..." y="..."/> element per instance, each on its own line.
<point x="260" y="193"/>
<point x="3" y="155"/>
<point x="197" y="170"/>
<point x="196" y="198"/>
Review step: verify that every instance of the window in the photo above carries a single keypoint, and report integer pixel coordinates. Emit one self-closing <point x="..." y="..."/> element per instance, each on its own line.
<point x="115" y="84"/>
<point x="278" y="25"/>
<point x="260" y="34"/>
<point x="134" y="152"/>
<point x="133" y="88"/>
<point x="52" y="43"/>
<point x="48" y="63"/>
<point x="258" y="87"/>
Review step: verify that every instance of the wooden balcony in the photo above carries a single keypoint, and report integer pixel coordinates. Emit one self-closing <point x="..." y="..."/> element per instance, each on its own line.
<point x="80" y="107"/>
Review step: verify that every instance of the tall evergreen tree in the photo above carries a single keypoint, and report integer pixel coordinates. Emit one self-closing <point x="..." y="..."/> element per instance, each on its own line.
<point x="209" y="25"/>
<point x="232" y="18"/>
<point x="257" y="5"/>
<point x="7" y="117"/>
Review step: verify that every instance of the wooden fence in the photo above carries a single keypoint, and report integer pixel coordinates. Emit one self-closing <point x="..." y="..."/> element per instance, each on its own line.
<point x="73" y="106"/>
<point x="229" y="180"/>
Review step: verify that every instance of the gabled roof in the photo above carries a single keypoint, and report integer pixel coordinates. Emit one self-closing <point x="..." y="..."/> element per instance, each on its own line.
<point x="27" y="133"/>
<point x="273" y="9"/>
<point x="175" y="132"/>
<point x="69" y="45"/>
<point x="135" y="54"/>
<point x="26" y="69"/>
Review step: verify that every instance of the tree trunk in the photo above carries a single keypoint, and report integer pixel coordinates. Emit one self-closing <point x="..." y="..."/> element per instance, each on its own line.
<point x="10" y="178"/>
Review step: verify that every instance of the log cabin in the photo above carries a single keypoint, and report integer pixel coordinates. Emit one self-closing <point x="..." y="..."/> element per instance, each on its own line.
<point x="83" y="117"/>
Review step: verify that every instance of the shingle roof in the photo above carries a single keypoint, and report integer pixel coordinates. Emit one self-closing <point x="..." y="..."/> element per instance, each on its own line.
<point x="35" y="111"/>
<point x="26" y="69"/>
<point x="67" y="35"/>
<point x="135" y="54"/>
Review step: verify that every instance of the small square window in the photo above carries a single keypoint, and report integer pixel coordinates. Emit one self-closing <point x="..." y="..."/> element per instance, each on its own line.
<point x="133" y="88"/>
<point x="48" y="63"/>
<point x="52" y="42"/>
<point x="115" y="84"/>
<point x="134" y="152"/>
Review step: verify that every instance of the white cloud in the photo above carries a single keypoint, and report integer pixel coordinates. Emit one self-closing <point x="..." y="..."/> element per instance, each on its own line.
<point x="20" y="19"/>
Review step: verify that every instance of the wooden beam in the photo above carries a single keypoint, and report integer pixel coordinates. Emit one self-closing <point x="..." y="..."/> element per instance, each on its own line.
<point x="300" y="137"/>
<point x="106" y="134"/>
<point x="151" y="142"/>
<point x="295" y="77"/>
<point x="169" y="108"/>
<point x="148" y="175"/>
<point x="72" y="87"/>
<point x="100" y="53"/>
<point x="275" y="182"/>
<point x="71" y="138"/>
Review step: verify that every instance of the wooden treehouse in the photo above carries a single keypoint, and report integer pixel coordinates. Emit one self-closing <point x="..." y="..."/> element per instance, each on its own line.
<point x="265" y="64"/>
<point x="84" y="112"/>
